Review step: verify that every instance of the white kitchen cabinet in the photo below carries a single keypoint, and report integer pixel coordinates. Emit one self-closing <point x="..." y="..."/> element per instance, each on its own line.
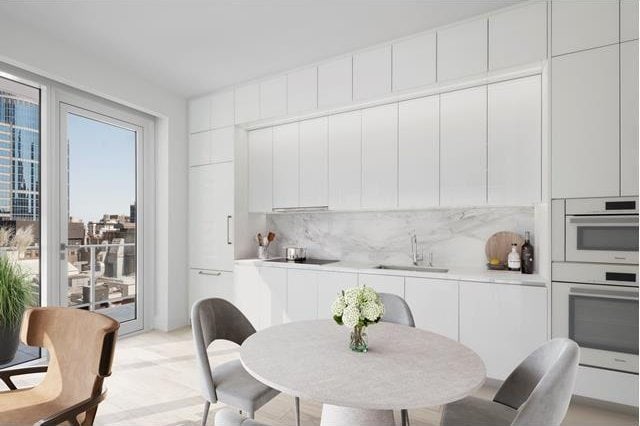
<point x="418" y="152"/>
<point x="383" y="283"/>
<point x="518" y="36"/>
<point x="330" y="284"/>
<point x="629" y="118"/>
<point x="579" y="25"/>
<point x="434" y="304"/>
<point x="502" y="323"/>
<point x="273" y="97"/>
<point x="247" y="103"/>
<point x="314" y="151"/>
<point x="275" y="297"/>
<point x="345" y="160"/>
<point x="261" y="170"/>
<point x="222" y="109"/>
<point x="200" y="148"/>
<point x="286" y="151"/>
<point x="462" y="50"/>
<point x="380" y="157"/>
<point x="515" y="141"/>
<point x="628" y="20"/>
<point x="372" y="73"/>
<point x="302" y="90"/>
<point x="199" y="114"/>
<point x="213" y="146"/>
<point x="463" y="147"/>
<point x="302" y="295"/>
<point x="335" y="82"/>
<point x="211" y="205"/>
<point x="250" y="294"/>
<point x="204" y="284"/>
<point x="414" y="62"/>
<point x="585" y="124"/>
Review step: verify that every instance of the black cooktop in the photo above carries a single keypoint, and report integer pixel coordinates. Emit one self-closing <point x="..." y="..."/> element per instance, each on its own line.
<point x="307" y="261"/>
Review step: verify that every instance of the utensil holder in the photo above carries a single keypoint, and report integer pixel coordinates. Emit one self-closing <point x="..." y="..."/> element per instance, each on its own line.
<point x="262" y="252"/>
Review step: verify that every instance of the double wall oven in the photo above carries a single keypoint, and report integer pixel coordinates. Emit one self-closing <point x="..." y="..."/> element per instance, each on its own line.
<point x="595" y="279"/>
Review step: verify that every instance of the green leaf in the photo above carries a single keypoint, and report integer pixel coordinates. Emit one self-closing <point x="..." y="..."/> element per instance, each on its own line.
<point x="16" y="293"/>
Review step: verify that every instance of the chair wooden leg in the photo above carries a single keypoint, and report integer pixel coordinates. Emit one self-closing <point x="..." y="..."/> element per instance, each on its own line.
<point x="207" y="404"/>
<point x="404" y="415"/>
<point x="297" y="404"/>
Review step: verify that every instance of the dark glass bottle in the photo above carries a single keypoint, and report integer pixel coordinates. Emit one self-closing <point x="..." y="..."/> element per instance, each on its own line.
<point x="526" y="256"/>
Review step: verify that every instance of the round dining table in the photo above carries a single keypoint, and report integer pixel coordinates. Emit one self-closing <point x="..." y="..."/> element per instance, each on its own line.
<point x="404" y="368"/>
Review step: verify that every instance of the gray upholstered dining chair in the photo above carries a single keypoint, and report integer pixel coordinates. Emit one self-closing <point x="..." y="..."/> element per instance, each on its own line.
<point x="397" y="311"/>
<point x="229" y="383"/>
<point x="228" y="417"/>
<point x="537" y="392"/>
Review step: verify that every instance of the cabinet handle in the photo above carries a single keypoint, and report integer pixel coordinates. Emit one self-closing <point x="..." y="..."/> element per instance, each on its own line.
<point x="228" y="232"/>
<point x="215" y="274"/>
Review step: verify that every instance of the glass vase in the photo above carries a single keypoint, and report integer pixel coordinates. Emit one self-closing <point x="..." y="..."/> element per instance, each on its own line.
<point x="359" y="339"/>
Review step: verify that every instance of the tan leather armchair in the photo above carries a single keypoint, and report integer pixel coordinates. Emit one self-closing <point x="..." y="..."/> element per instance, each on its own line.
<point x="81" y="346"/>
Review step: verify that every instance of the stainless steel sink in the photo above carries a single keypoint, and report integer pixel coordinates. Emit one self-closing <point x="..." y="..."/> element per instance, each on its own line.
<point x="412" y="268"/>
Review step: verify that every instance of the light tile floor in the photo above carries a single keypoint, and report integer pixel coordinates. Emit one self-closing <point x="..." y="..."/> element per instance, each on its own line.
<point x="154" y="382"/>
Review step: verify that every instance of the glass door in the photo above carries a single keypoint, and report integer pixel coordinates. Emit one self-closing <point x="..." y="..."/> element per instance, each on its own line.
<point x="99" y="193"/>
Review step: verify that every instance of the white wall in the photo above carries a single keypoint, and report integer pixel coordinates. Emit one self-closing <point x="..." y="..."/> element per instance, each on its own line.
<point x="27" y="49"/>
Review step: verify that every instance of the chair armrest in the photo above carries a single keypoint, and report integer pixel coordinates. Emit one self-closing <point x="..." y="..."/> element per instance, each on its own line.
<point x="6" y="375"/>
<point x="70" y="414"/>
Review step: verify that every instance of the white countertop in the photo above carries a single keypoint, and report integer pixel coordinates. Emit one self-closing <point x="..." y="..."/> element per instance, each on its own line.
<point x="454" y="274"/>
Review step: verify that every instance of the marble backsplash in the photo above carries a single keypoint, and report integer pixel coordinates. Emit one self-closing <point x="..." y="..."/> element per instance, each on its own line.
<point x="455" y="236"/>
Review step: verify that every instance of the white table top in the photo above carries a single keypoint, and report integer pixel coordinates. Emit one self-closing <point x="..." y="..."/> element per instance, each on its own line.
<point x="404" y="368"/>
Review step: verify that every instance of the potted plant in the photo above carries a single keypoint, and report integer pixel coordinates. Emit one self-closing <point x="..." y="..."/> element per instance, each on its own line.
<point x="15" y="296"/>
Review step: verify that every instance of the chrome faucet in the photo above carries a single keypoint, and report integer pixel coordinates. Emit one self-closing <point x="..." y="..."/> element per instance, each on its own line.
<point x="417" y="258"/>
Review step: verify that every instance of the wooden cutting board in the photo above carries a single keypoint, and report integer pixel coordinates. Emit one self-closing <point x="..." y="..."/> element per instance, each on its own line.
<point x="499" y="245"/>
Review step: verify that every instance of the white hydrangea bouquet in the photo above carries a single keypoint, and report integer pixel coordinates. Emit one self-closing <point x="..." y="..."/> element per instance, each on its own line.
<point x="357" y="308"/>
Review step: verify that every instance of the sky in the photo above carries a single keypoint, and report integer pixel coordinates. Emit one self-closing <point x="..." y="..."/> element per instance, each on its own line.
<point x="102" y="168"/>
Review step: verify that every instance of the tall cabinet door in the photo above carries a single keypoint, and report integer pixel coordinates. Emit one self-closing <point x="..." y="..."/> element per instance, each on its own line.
<point x="286" y="151"/>
<point x="585" y="124"/>
<point x="418" y="150"/>
<point x="313" y="163"/>
<point x="515" y="141"/>
<point x="629" y="118"/>
<point x="261" y="170"/>
<point x="345" y="162"/>
<point x="210" y="216"/>
<point x="463" y="147"/>
<point x="380" y="157"/>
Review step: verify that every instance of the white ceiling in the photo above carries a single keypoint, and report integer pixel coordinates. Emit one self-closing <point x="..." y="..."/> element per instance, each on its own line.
<point x="195" y="46"/>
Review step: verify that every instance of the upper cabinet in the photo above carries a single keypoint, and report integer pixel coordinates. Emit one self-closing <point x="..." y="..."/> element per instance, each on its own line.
<point x="273" y="97"/>
<point x="380" y="157"/>
<point x="247" y="103"/>
<point x="222" y="109"/>
<point x="518" y="36"/>
<point x="628" y="20"/>
<point x="585" y="124"/>
<point x="580" y="25"/>
<point x="414" y="62"/>
<point x="515" y="141"/>
<point x="335" y="82"/>
<point x="302" y="90"/>
<point x="463" y="147"/>
<point x="462" y="50"/>
<point x="418" y="152"/>
<point x="372" y="73"/>
<point x="286" y="155"/>
<point x="345" y="160"/>
<point x="629" y="118"/>
<point x="199" y="114"/>
<point x="261" y="170"/>
<point x="213" y="146"/>
<point x="314" y="183"/>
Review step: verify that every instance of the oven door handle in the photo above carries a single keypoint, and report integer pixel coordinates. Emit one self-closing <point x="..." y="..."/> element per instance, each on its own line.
<point x="610" y="294"/>
<point x="608" y="220"/>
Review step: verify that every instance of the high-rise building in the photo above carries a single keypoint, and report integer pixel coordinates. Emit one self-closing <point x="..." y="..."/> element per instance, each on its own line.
<point x="19" y="151"/>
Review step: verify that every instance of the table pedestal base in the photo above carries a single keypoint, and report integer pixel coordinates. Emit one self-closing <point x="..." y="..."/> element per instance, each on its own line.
<point x="334" y="415"/>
